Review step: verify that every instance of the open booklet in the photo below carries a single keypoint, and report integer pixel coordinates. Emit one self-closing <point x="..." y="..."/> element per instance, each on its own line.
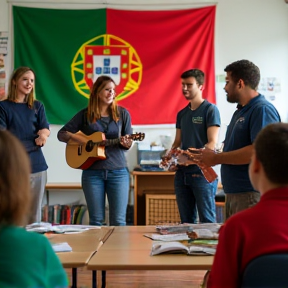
<point x="178" y="247"/>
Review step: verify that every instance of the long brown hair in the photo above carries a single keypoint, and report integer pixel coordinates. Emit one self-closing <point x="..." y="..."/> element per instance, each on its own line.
<point x="12" y="88"/>
<point x="94" y="112"/>
<point x="15" y="192"/>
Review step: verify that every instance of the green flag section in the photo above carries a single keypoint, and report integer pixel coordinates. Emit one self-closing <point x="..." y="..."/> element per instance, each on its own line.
<point x="145" y="52"/>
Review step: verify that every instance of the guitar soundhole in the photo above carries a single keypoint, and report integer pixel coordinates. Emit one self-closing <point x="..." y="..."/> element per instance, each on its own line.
<point x="89" y="146"/>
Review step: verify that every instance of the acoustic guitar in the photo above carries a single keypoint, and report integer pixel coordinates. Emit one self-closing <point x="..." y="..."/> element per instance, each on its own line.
<point x="82" y="156"/>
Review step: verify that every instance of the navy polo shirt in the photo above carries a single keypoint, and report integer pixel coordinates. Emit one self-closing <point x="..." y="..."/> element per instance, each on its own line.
<point x="245" y="124"/>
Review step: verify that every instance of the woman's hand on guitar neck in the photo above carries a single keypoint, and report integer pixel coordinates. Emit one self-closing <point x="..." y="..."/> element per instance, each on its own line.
<point x="126" y="141"/>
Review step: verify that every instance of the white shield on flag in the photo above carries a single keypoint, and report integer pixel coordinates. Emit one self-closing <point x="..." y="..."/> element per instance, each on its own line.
<point x="109" y="65"/>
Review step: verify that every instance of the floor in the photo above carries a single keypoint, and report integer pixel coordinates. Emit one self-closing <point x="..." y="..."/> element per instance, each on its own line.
<point x="141" y="279"/>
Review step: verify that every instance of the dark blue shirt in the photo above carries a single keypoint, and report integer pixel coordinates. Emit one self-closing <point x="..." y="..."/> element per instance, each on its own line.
<point x="24" y="123"/>
<point x="115" y="157"/>
<point x="194" y="125"/>
<point x="245" y="124"/>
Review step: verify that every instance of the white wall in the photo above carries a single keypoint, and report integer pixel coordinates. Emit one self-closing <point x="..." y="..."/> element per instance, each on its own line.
<point x="245" y="29"/>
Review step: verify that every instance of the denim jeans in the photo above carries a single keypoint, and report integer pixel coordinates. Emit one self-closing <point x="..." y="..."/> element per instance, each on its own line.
<point x="95" y="184"/>
<point x="194" y="192"/>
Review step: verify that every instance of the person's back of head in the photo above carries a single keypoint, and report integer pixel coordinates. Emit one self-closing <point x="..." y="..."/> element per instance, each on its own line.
<point x="14" y="181"/>
<point x="271" y="148"/>
<point x="245" y="70"/>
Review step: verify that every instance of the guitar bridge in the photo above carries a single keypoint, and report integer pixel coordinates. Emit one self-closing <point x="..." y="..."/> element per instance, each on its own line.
<point x="79" y="150"/>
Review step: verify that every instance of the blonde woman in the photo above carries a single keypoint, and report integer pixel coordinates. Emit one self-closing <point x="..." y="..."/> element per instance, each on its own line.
<point x="25" y="117"/>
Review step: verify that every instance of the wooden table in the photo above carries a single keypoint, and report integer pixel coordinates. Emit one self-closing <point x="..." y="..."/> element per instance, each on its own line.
<point x="149" y="183"/>
<point x="128" y="249"/>
<point x="84" y="246"/>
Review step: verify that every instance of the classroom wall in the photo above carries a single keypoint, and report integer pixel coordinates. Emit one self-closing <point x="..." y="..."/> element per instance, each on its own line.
<point x="245" y="29"/>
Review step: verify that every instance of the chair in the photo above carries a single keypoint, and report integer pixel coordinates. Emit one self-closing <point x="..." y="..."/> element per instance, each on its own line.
<point x="267" y="271"/>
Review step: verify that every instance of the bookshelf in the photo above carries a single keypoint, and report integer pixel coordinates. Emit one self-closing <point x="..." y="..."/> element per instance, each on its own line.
<point x="73" y="213"/>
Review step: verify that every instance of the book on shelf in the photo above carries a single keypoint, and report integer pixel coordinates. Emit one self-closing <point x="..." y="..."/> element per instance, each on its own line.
<point x="180" y="248"/>
<point x="75" y="213"/>
<point x="64" y="214"/>
<point x="51" y="213"/>
<point x="81" y="213"/>
<point x="57" y="214"/>
<point x="45" y="213"/>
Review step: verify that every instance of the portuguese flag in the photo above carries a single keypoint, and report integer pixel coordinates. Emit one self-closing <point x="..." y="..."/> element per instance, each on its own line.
<point x="145" y="52"/>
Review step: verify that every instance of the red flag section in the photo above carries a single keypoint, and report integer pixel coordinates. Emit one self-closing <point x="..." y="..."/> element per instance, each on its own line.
<point x="161" y="45"/>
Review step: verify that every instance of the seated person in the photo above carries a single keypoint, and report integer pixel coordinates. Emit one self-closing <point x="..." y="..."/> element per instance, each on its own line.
<point x="261" y="229"/>
<point x="27" y="259"/>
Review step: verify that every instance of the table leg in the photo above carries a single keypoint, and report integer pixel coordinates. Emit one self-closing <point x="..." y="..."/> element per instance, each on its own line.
<point x="74" y="278"/>
<point x="103" y="279"/>
<point x="47" y="197"/>
<point x="94" y="279"/>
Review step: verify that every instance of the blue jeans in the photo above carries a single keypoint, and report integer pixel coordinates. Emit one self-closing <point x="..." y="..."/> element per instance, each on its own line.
<point x="194" y="192"/>
<point x="95" y="184"/>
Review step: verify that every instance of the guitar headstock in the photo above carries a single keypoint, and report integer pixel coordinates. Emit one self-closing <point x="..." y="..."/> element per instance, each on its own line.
<point x="137" y="136"/>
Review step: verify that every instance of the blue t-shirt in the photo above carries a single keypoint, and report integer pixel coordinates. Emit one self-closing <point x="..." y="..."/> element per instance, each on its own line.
<point x="242" y="131"/>
<point x="24" y="123"/>
<point x="115" y="155"/>
<point x="194" y="125"/>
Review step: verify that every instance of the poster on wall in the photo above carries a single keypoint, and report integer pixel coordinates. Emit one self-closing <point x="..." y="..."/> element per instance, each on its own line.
<point x="3" y="62"/>
<point x="270" y="87"/>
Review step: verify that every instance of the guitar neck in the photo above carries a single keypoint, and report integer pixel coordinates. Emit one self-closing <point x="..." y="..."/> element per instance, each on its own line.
<point x="108" y="142"/>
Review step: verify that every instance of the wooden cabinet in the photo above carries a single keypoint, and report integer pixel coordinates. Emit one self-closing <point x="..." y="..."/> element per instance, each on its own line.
<point x="161" y="183"/>
<point x="149" y="183"/>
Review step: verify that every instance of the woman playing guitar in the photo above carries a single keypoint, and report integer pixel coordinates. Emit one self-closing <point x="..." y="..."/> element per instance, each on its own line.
<point x="107" y="174"/>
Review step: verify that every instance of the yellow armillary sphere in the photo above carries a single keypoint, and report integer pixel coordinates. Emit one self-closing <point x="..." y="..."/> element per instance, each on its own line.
<point x="107" y="55"/>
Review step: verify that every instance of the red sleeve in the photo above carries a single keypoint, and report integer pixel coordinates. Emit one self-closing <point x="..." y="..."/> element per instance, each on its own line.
<point x="227" y="260"/>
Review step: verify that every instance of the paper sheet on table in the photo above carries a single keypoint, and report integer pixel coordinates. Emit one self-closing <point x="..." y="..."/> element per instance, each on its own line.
<point x="61" y="247"/>
<point x="168" y="237"/>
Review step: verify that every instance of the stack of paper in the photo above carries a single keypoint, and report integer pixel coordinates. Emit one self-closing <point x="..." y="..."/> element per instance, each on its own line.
<point x="44" y="227"/>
